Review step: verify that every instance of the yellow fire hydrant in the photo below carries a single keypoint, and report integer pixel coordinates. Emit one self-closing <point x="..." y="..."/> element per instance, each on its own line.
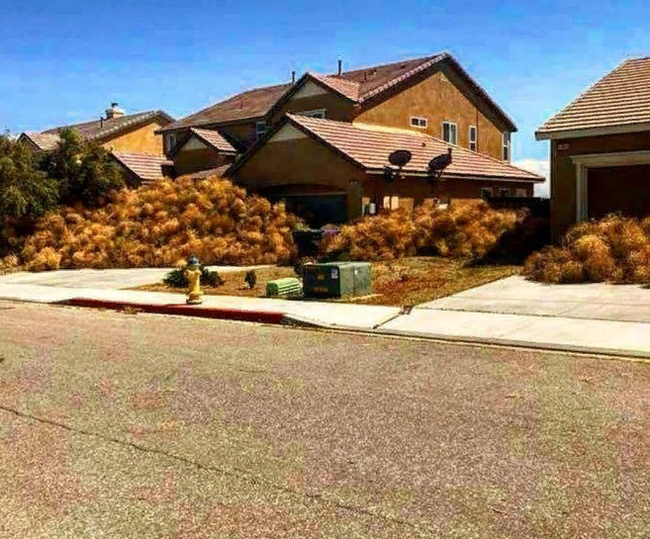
<point x="193" y="274"/>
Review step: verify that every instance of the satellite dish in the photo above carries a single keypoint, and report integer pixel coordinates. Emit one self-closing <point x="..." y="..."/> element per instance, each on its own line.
<point x="399" y="158"/>
<point x="440" y="163"/>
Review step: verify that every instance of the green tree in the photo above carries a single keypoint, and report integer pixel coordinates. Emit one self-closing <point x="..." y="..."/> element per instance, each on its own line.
<point x="25" y="191"/>
<point x="83" y="169"/>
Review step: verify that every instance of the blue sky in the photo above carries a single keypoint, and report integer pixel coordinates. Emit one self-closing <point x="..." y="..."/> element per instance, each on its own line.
<point x="65" y="61"/>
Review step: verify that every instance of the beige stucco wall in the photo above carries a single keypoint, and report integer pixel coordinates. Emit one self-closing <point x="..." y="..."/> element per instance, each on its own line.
<point x="437" y="99"/>
<point x="139" y="140"/>
<point x="563" y="171"/>
<point x="194" y="160"/>
<point x="336" y="107"/>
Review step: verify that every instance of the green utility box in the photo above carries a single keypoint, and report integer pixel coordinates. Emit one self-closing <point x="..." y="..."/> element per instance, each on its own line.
<point x="337" y="279"/>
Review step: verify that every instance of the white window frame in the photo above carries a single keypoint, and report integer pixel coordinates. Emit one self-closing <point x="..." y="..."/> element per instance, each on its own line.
<point x="471" y="142"/>
<point x="420" y="122"/>
<point x="259" y="133"/>
<point x="503" y="190"/>
<point x="487" y="192"/>
<point x="316" y="113"/>
<point x="442" y="130"/>
<point x="505" y="147"/>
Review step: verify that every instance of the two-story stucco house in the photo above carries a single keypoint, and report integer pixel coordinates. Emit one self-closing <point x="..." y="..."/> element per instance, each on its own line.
<point x="322" y="142"/>
<point x="131" y="139"/>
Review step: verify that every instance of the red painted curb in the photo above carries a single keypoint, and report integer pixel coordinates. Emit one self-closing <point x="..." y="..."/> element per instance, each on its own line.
<point x="181" y="309"/>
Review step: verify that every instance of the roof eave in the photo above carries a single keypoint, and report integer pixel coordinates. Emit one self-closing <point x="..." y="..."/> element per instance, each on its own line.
<point x="560" y="134"/>
<point x="208" y="124"/>
<point x="455" y="176"/>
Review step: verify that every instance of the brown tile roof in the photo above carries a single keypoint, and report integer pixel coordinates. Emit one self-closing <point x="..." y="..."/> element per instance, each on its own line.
<point x="620" y="98"/>
<point x="358" y="85"/>
<point x="370" y="146"/>
<point x="348" y="88"/>
<point x="374" y="80"/>
<point x="247" y="105"/>
<point x="202" y="174"/>
<point x="214" y="138"/>
<point x="146" y="166"/>
<point x="98" y="130"/>
<point x="43" y="141"/>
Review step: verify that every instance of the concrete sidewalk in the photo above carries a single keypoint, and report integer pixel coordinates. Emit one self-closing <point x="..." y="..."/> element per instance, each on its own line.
<point x="614" y="337"/>
<point x="112" y="279"/>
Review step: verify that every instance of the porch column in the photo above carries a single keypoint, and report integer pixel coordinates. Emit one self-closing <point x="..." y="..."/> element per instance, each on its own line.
<point x="582" y="211"/>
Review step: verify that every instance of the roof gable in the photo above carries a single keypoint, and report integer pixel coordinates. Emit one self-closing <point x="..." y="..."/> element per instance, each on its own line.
<point x="43" y="142"/>
<point x="208" y="137"/>
<point x="618" y="102"/>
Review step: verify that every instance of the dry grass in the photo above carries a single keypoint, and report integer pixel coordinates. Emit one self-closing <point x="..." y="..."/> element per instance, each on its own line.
<point x="408" y="281"/>
<point x="158" y="225"/>
<point x="464" y="231"/>
<point x="614" y="249"/>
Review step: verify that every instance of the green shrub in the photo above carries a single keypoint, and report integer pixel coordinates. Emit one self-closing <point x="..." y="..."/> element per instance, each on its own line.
<point x="177" y="279"/>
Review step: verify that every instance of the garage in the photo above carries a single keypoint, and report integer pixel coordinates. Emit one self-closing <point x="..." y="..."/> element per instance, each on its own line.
<point x="624" y="189"/>
<point x="317" y="209"/>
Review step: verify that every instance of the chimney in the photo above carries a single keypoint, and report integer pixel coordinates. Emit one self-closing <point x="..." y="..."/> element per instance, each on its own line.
<point x="114" y="111"/>
<point x="293" y="77"/>
<point x="340" y="67"/>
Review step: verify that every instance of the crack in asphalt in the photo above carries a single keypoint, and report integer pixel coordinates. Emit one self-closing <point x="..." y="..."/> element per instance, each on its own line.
<point x="237" y="473"/>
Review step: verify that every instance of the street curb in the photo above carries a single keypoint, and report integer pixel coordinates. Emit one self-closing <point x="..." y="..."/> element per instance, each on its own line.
<point x="180" y="309"/>
<point x="278" y="318"/>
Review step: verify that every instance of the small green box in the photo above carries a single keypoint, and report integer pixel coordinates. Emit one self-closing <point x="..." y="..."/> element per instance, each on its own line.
<point x="289" y="286"/>
<point x="337" y="279"/>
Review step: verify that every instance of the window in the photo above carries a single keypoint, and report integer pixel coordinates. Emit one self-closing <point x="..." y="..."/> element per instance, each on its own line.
<point x="260" y="129"/>
<point x="521" y="193"/>
<point x="506" y="146"/>
<point x="472" y="138"/>
<point x="419" y="122"/>
<point x="486" y="192"/>
<point x="504" y="192"/>
<point x="449" y="133"/>
<point x="320" y="113"/>
<point x="171" y="141"/>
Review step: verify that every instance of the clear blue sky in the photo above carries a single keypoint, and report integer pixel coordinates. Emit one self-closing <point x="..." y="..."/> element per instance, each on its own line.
<point x="64" y="61"/>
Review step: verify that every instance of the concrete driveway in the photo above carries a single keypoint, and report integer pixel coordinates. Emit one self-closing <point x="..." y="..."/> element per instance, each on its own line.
<point x="111" y="279"/>
<point x="516" y="295"/>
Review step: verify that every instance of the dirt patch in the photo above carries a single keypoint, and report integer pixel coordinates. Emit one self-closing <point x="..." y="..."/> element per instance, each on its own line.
<point x="408" y="281"/>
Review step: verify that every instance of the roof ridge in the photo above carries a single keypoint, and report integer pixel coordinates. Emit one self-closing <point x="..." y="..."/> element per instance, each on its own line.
<point x="86" y="122"/>
<point x="365" y="68"/>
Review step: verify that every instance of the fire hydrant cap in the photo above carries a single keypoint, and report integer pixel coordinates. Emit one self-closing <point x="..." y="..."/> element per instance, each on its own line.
<point x="193" y="261"/>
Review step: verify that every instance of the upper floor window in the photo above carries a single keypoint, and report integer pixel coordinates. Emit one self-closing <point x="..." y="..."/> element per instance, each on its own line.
<point x="504" y="192"/>
<point x="260" y="129"/>
<point x="472" y="138"/>
<point x="319" y="113"/>
<point x="171" y="141"/>
<point x="506" y="146"/>
<point x="450" y="132"/>
<point x="419" y="122"/>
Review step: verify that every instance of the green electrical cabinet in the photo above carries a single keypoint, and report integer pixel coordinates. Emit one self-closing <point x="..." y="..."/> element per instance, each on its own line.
<point x="337" y="279"/>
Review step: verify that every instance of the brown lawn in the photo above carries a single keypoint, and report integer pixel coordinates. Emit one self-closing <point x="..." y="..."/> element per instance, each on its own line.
<point x="409" y="281"/>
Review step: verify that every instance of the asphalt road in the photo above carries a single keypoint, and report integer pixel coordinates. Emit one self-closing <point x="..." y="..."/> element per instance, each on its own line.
<point x="117" y="425"/>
